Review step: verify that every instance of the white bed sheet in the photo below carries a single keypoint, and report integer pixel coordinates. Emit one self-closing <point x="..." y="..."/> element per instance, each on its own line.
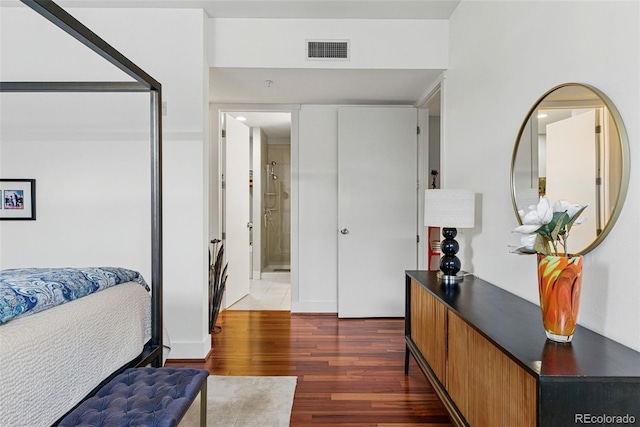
<point x="49" y="361"/>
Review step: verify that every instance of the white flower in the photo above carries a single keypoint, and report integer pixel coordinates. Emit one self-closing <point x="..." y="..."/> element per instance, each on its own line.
<point x="580" y="220"/>
<point x="546" y="227"/>
<point x="570" y="209"/>
<point x="538" y="215"/>
<point x="528" y="240"/>
<point x="527" y="243"/>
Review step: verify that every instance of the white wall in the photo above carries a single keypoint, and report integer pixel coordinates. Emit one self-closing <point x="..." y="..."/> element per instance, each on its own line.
<point x="92" y="182"/>
<point x="177" y="59"/>
<point x="111" y="171"/>
<point x="518" y="51"/>
<point x="33" y="49"/>
<point x="279" y="141"/>
<point x="280" y="43"/>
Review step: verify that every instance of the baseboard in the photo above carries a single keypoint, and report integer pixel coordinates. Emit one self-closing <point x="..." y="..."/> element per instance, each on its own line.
<point x="314" y="306"/>
<point x="275" y="275"/>
<point x="190" y="350"/>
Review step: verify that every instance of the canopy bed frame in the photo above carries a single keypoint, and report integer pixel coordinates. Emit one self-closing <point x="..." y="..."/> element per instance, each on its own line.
<point x="143" y="82"/>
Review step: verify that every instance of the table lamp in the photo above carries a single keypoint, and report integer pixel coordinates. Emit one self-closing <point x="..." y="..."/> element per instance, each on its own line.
<point x="449" y="209"/>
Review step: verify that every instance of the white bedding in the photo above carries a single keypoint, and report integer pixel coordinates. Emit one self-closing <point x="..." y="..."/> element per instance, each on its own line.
<point x="49" y="361"/>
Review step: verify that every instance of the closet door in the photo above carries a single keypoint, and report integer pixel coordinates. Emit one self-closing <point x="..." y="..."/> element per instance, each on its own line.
<point x="377" y="208"/>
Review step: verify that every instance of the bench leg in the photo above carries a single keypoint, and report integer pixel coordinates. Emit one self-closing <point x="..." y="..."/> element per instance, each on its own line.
<point x="203" y="405"/>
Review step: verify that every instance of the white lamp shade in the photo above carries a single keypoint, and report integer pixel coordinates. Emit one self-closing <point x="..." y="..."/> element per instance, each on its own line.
<point x="449" y="208"/>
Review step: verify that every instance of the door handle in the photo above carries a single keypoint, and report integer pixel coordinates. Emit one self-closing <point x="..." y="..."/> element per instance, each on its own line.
<point x="344" y="231"/>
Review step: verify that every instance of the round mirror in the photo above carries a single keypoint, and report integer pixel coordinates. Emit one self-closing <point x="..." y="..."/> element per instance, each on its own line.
<point x="573" y="146"/>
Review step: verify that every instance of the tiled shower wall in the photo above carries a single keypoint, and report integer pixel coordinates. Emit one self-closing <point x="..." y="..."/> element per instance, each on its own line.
<point x="276" y="227"/>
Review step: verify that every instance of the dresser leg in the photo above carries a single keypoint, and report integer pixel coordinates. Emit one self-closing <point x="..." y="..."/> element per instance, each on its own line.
<point x="406" y="359"/>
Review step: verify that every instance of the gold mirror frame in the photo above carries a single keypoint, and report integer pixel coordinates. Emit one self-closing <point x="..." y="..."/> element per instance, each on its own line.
<point x="624" y="161"/>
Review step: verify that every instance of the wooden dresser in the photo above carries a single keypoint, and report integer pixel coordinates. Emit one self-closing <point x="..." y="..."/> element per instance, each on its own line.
<point x="486" y="354"/>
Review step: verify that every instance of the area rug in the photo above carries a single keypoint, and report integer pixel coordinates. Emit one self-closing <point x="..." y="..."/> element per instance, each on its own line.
<point x="244" y="401"/>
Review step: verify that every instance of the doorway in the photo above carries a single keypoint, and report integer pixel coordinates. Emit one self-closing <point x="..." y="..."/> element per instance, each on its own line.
<point x="268" y="273"/>
<point x="430" y="171"/>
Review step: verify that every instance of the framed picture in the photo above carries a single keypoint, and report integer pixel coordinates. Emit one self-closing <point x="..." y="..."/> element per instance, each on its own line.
<point x="18" y="199"/>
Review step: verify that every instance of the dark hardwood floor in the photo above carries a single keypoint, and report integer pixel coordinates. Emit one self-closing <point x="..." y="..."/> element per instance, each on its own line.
<point x="350" y="371"/>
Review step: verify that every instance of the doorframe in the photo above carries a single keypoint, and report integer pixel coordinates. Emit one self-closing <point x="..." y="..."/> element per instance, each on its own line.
<point x="217" y="165"/>
<point x="428" y="97"/>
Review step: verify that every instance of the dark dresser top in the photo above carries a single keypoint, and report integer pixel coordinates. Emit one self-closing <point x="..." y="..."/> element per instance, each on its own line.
<point x="515" y="326"/>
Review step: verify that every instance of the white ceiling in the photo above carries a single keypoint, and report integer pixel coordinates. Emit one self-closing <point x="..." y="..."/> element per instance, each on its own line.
<point x="230" y="86"/>
<point x="318" y="86"/>
<point x="273" y="124"/>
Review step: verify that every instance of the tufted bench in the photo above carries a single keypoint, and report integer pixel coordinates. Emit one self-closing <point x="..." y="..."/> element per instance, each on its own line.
<point x="149" y="397"/>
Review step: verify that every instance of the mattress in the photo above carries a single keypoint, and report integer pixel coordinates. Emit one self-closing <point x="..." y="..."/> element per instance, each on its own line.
<point x="51" y="360"/>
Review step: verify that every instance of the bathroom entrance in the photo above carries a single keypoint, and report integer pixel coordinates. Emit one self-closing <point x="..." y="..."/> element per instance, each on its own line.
<point x="269" y="192"/>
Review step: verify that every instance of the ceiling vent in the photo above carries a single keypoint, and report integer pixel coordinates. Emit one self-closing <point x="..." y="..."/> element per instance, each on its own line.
<point x="328" y="50"/>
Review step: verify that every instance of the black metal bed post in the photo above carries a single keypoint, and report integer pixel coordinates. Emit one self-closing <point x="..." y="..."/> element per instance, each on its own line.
<point x="156" y="223"/>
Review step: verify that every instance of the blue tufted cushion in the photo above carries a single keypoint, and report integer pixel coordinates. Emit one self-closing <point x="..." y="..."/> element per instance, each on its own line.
<point x="142" y="397"/>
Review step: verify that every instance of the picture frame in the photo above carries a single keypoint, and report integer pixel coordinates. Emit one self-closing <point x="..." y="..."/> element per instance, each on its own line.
<point x="17" y="199"/>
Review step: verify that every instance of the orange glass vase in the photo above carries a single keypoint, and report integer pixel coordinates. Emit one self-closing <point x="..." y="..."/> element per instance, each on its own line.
<point x="559" y="283"/>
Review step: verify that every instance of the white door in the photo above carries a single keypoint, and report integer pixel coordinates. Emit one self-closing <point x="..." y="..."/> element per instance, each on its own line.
<point x="574" y="138"/>
<point x="236" y="196"/>
<point x="377" y="209"/>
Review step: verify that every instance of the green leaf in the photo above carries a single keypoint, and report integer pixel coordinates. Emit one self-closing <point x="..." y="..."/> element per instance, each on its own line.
<point x="545" y="230"/>
<point x="576" y="216"/>
<point x="560" y="222"/>
<point x="542" y="245"/>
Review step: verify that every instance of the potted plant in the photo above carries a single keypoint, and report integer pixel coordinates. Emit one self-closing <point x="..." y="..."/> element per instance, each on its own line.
<point x="545" y="228"/>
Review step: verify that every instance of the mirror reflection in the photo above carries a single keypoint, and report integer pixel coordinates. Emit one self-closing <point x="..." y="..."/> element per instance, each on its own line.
<point x="573" y="146"/>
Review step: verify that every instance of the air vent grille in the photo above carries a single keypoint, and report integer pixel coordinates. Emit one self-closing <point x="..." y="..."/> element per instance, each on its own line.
<point x="328" y="50"/>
